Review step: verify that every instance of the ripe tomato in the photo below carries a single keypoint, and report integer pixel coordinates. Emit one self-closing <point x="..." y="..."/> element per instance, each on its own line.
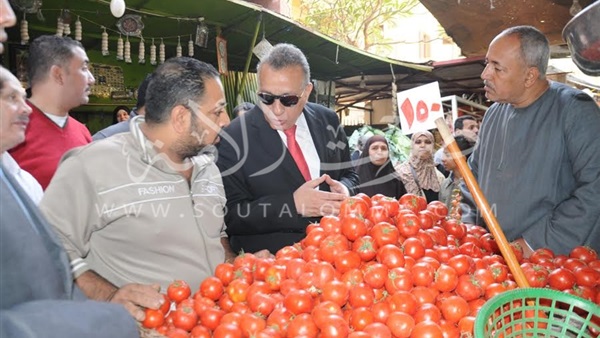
<point x="227" y="331"/>
<point x="153" y="319"/>
<point x="166" y="305"/>
<point x="422" y="274"/>
<point x="438" y="209"/>
<point x="399" y="279"/>
<point x="375" y="275"/>
<point x="334" y="326"/>
<point x="391" y="256"/>
<point x="237" y="290"/>
<point x="332" y="246"/>
<point x="403" y="301"/>
<point x="462" y="264"/>
<point x="427" y="329"/>
<point x="361" y="295"/>
<point x="468" y="287"/>
<point x="408" y="224"/>
<point x="302" y="326"/>
<point x="353" y="227"/>
<point x="211" y="317"/>
<point x="413" y="202"/>
<point x="251" y="324"/>
<point x="178" y="290"/>
<point x="360" y="317"/>
<point x="454" y="308"/>
<point x="384" y="233"/>
<point x="413" y="247"/>
<point x="400" y="324"/>
<point x="298" y="302"/>
<point x="378" y="330"/>
<point x="585" y="253"/>
<point x="331" y="224"/>
<point x="224" y="272"/>
<point x="274" y="275"/>
<point x="347" y="260"/>
<point x="185" y="318"/>
<point x="365" y="247"/>
<point x="354" y="205"/>
<point x="261" y="303"/>
<point x="211" y="288"/>
<point x="367" y="199"/>
<point x="390" y="205"/>
<point x="561" y="279"/>
<point x="587" y="276"/>
<point x="446" y="278"/>
<point x="377" y="214"/>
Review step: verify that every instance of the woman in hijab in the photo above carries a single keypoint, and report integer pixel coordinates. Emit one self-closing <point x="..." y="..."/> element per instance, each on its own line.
<point x="377" y="175"/>
<point x="419" y="175"/>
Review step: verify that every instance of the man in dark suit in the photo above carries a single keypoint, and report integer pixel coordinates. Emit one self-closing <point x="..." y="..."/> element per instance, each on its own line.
<point x="37" y="294"/>
<point x="286" y="162"/>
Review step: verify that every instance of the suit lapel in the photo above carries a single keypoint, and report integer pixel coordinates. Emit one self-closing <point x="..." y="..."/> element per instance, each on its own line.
<point x="316" y="132"/>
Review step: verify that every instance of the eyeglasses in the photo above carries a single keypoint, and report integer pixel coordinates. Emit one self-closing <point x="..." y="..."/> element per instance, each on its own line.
<point x="286" y="100"/>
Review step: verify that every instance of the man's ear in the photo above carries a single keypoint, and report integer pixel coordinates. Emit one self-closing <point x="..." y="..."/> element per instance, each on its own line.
<point x="533" y="73"/>
<point x="180" y="119"/>
<point x="57" y="75"/>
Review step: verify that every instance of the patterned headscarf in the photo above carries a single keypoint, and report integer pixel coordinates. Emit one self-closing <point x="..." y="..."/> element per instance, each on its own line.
<point x="424" y="168"/>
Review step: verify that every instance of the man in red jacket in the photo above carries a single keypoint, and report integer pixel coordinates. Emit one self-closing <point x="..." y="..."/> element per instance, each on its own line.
<point x="60" y="81"/>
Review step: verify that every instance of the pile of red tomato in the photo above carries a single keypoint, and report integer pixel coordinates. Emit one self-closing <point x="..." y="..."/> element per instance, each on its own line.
<point x="383" y="268"/>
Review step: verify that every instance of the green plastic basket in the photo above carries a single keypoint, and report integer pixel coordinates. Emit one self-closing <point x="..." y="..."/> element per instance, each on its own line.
<point x="550" y="313"/>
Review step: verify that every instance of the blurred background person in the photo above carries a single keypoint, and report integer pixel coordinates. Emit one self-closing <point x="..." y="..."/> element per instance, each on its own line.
<point x="454" y="179"/>
<point x="419" y="174"/>
<point x="375" y="170"/>
<point x="120" y="114"/>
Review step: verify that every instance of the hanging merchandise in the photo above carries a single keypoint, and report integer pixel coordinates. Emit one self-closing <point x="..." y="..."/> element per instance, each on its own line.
<point x="201" y="34"/>
<point x="24" y="31"/>
<point x="153" y="53"/>
<point x="142" y="52"/>
<point x="60" y="29"/>
<point x="178" y="50"/>
<point x="161" y="52"/>
<point x="104" y="42"/>
<point x="78" y="30"/>
<point x="117" y="8"/>
<point x="127" y="51"/>
<point x="191" y="47"/>
<point x="66" y="29"/>
<point x="120" y="48"/>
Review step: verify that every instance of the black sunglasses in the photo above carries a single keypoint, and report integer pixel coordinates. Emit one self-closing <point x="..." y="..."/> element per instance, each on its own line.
<point x="286" y="100"/>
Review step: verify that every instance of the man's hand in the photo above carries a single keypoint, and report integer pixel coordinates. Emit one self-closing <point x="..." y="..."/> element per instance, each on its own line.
<point x="312" y="203"/>
<point x="336" y="186"/>
<point x="136" y="297"/>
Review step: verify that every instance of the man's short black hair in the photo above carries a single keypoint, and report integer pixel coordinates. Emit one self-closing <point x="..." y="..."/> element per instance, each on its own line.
<point x="459" y="124"/>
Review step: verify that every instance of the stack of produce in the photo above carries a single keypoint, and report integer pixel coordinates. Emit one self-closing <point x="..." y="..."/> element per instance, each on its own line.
<point x="383" y="268"/>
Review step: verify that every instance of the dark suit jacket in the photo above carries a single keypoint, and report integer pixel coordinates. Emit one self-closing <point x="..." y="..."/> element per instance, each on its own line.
<point x="37" y="294"/>
<point x="260" y="177"/>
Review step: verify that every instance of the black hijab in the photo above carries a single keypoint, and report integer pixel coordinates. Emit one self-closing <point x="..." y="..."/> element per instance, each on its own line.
<point x="378" y="179"/>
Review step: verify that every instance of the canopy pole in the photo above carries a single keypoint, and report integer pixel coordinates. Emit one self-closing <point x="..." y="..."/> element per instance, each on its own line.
<point x="249" y="58"/>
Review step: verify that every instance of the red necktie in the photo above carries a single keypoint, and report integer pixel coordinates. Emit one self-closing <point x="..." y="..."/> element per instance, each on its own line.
<point x="296" y="152"/>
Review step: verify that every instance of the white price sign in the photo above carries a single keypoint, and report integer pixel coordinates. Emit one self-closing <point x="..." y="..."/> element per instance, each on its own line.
<point x="419" y="108"/>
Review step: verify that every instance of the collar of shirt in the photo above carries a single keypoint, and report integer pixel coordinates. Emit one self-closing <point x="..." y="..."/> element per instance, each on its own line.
<point x="307" y="145"/>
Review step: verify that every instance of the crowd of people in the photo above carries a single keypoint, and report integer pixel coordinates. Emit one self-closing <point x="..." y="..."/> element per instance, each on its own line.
<point x="96" y="230"/>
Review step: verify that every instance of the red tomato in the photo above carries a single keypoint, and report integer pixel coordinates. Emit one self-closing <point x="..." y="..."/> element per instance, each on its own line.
<point x="586" y="276"/>
<point x="468" y="288"/>
<point x="331" y="224"/>
<point x="381" y="311"/>
<point x="274" y="275"/>
<point x="251" y="324"/>
<point x="347" y="260"/>
<point x="332" y="246"/>
<point x="365" y="247"/>
<point x="561" y="279"/>
<point x="413" y="247"/>
<point x="224" y="272"/>
<point x="211" y="288"/>
<point x="413" y="202"/>
<point x="287" y="252"/>
<point x="403" y="301"/>
<point x="335" y="326"/>
<point x="375" y="275"/>
<point x="315" y="237"/>
<point x="178" y="290"/>
<point x="422" y="274"/>
<point x="302" y="326"/>
<point x="391" y="256"/>
<point x="237" y="290"/>
<point x="200" y="331"/>
<point x="399" y="279"/>
<point x="585" y="253"/>
<point x="354" y="206"/>
<point x="400" y="324"/>
<point x="427" y="329"/>
<point x="462" y="264"/>
<point x="378" y="330"/>
<point x="153" y="318"/>
<point x="390" y="205"/>
<point x="227" y="331"/>
<point x="280" y="319"/>
<point x="428" y="312"/>
<point x="336" y="292"/>
<point x="466" y="325"/>
<point x="211" y="317"/>
<point x="361" y="295"/>
<point x="166" y="305"/>
<point x="438" y="209"/>
<point x="454" y="308"/>
<point x="185" y="318"/>
<point x="298" y="302"/>
<point x="408" y="224"/>
<point x="377" y="214"/>
<point x="446" y="278"/>
<point x="321" y="312"/>
<point x="368" y="200"/>
<point x="261" y="303"/>
<point x="384" y="233"/>
<point x="360" y="317"/>
<point x="353" y="227"/>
